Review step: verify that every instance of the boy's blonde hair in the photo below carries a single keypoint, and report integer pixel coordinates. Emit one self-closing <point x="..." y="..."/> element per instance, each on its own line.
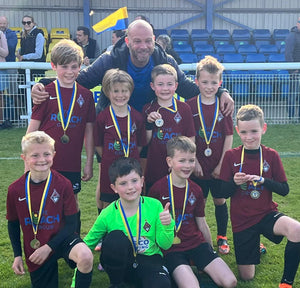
<point x="113" y="76"/>
<point x="163" y="69"/>
<point x="210" y="65"/>
<point x="36" y="137"/>
<point x="66" y="51"/>
<point x="180" y="143"/>
<point x="250" y="112"/>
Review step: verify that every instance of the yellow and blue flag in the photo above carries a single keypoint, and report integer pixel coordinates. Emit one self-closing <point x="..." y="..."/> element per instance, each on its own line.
<point x="115" y="21"/>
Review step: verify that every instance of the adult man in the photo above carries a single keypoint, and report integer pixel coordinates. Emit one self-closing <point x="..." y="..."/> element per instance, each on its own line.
<point x="292" y="54"/>
<point x="12" y="41"/>
<point x="136" y="54"/>
<point x="89" y="46"/>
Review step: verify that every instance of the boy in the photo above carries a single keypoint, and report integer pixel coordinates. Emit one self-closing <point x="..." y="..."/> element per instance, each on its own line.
<point x="192" y="236"/>
<point x="165" y="118"/>
<point x="136" y="228"/>
<point x="251" y="173"/>
<point x="68" y="116"/>
<point x="42" y="202"/>
<point x="214" y="135"/>
<point x="119" y="129"/>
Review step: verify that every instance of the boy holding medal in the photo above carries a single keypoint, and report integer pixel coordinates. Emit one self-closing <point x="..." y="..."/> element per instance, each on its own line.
<point x="134" y="229"/>
<point x="214" y="135"/>
<point x="42" y="203"/>
<point x="165" y="118"/>
<point x="68" y="116"/>
<point x="192" y="235"/>
<point x="250" y="174"/>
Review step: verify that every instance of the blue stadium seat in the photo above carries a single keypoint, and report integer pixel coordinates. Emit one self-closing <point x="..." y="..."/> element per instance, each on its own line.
<point x="283" y="83"/>
<point x="238" y="43"/>
<point x="264" y="83"/>
<point x="225" y="49"/>
<point x="279" y="44"/>
<point x="180" y="42"/>
<point x="180" y="34"/>
<point x="241" y="35"/>
<point x="233" y="58"/>
<point x="204" y="49"/>
<point x="199" y="43"/>
<point x="261" y="34"/>
<point x="201" y="56"/>
<point x="220" y="35"/>
<point x="247" y="49"/>
<point x="220" y="42"/>
<point x="184" y="48"/>
<point x="200" y="34"/>
<point x="258" y="43"/>
<point x="158" y="32"/>
<point x="188" y="57"/>
<point x="256" y="58"/>
<point x="276" y="58"/>
<point x="238" y="82"/>
<point x="280" y="34"/>
<point x="268" y="49"/>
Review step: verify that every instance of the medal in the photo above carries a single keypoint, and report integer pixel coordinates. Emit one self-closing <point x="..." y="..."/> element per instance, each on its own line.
<point x="35" y="244"/>
<point x="64" y="139"/>
<point x="159" y="122"/>
<point x="255" y="194"/>
<point x="176" y="240"/>
<point x="207" y="152"/>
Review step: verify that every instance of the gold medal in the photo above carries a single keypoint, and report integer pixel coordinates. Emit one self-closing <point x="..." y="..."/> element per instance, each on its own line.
<point x="255" y="194"/>
<point x="159" y="122"/>
<point x="35" y="244"/>
<point x="65" y="139"/>
<point x="176" y="240"/>
<point x="207" y="152"/>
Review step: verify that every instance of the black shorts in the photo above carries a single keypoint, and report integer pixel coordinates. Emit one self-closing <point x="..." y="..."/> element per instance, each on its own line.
<point x="202" y="255"/>
<point x="75" y="178"/>
<point x="47" y="275"/>
<point x="212" y="185"/>
<point x="246" y="242"/>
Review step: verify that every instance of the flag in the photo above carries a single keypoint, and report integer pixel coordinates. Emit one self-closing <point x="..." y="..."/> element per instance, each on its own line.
<point x="115" y="21"/>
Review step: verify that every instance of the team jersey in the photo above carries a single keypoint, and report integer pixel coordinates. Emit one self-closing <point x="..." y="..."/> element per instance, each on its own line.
<point x="105" y="135"/>
<point x="223" y="128"/>
<point x="244" y="210"/>
<point x="154" y="235"/>
<point x="68" y="156"/>
<point x="175" y="124"/>
<point x="189" y="233"/>
<point x="60" y="202"/>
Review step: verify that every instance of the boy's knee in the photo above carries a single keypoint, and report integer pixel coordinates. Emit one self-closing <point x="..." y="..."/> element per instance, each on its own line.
<point x="230" y="282"/>
<point x="85" y="260"/>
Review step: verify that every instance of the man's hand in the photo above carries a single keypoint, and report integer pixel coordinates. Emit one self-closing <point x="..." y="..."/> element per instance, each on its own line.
<point x="165" y="216"/>
<point x="226" y="104"/>
<point x="18" y="266"/>
<point x="38" y="93"/>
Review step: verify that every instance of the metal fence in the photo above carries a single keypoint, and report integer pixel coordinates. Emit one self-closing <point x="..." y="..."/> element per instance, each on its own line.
<point x="274" y="90"/>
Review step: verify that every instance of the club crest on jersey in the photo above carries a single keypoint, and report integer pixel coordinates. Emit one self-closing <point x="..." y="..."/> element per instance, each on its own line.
<point x="133" y="128"/>
<point x="266" y="166"/>
<point x="80" y="101"/>
<point x="192" y="199"/>
<point x="177" y="117"/>
<point x="146" y="226"/>
<point x="55" y="196"/>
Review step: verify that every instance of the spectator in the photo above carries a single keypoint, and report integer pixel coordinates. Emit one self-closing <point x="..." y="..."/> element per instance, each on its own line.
<point x="292" y="54"/>
<point x="89" y="46"/>
<point x="32" y="43"/>
<point x="165" y="42"/>
<point x="136" y="54"/>
<point x="12" y="40"/>
<point x="115" y="37"/>
<point x="3" y="54"/>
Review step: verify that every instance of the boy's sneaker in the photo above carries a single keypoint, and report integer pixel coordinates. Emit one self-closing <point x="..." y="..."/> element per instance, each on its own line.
<point x="98" y="247"/>
<point x="223" y="245"/>
<point x="285" y="285"/>
<point x="262" y="249"/>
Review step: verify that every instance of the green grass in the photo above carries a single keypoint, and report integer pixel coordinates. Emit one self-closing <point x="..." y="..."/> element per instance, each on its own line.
<point x="284" y="138"/>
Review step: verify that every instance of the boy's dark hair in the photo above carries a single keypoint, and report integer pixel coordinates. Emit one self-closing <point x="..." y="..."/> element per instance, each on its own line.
<point x="163" y="69"/>
<point x="180" y="143"/>
<point x="250" y="112"/>
<point x="86" y="31"/>
<point x="66" y="51"/>
<point x="122" y="167"/>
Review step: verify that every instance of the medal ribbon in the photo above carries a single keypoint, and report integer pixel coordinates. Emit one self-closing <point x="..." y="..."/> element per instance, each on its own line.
<point x="173" y="109"/>
<point x="201" y="117"/>
<point x="65" y="121"/>
<point x="118" y="130"/>
<point x="261" y="162"/>
<point x="42" y="204"/>
<point x="171" y="195"/>
<point x="135" y="245"/>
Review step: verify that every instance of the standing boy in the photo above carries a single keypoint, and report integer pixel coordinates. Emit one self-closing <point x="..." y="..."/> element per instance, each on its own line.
<point x="192" y="235"/>
<point x="214" y="135"/>
<point x="135" y="229"/>
<point x="68" y="116"/>
<point x="42" y="203"/>
<point x="165" y="118"/>
<point x="251" y="173"/>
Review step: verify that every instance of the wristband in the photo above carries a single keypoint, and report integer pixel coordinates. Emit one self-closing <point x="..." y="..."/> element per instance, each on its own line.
<point x="149" y="126"/>
<point x="220" y="91"/>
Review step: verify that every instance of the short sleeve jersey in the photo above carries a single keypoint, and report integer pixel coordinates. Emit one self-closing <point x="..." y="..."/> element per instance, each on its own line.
<point x="244" y="210"/>
<point x="223" y="128"/>
<point x="154" y="235"/>
<point x="175" y="124"/>
<point x="189" y="233"/>
<point x="106" y="136"/>
<point x="68" y="156"/>
<point x="60" y="202"/>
